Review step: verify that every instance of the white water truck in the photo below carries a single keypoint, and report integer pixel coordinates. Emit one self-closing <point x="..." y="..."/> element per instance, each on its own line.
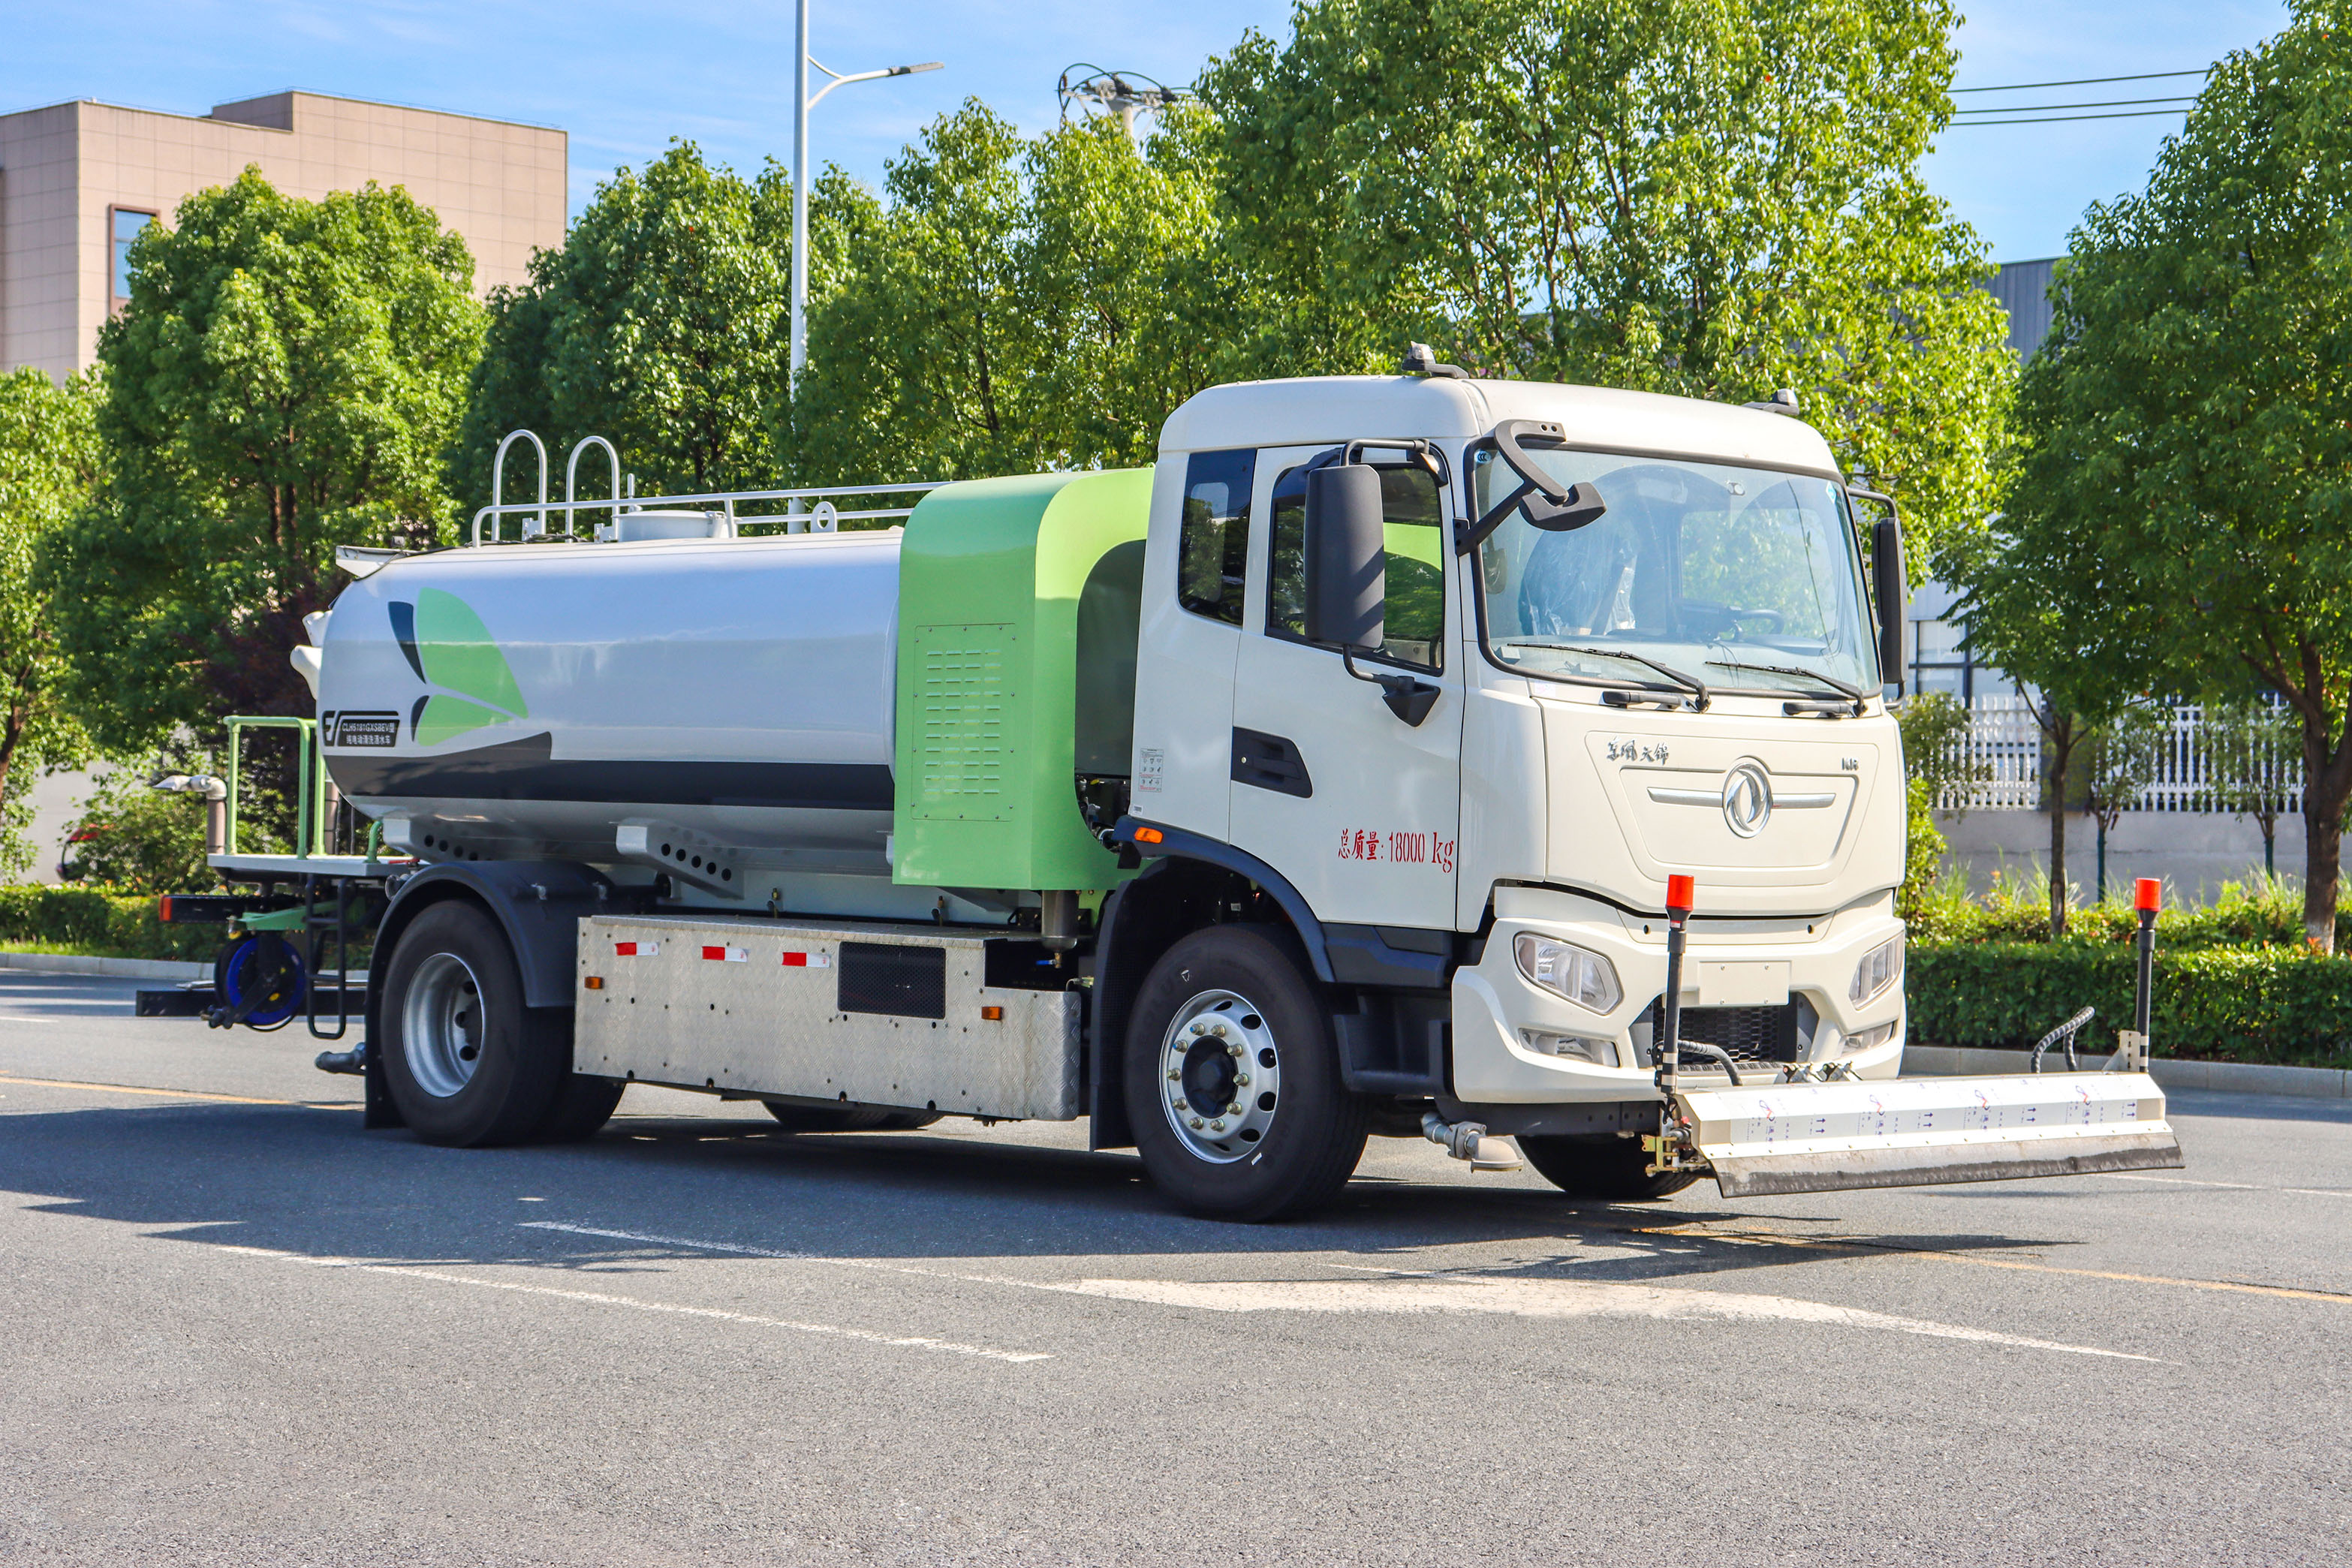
<point x="1411" y="756"/>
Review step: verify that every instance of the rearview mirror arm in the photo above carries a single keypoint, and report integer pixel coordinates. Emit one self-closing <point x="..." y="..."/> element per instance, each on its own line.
<point x="1408" y="699"/>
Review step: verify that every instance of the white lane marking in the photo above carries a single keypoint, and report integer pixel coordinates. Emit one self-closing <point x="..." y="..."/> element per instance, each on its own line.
<point x="1412" y="1294"/>
<point x="1538" y="1299"/>
<point x="749" y="1320"/>
<point x="2230" y="1186"/>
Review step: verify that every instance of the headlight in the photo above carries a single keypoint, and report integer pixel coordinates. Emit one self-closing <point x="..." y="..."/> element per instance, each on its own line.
<point x="1587" y="979"/>
<point x="1880" y="968"/>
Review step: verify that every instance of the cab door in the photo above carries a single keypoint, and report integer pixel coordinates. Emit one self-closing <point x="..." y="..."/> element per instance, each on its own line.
<point x="1360" y="809"/>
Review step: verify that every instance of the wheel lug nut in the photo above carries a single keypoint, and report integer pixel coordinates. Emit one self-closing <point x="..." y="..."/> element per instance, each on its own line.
<point x="1234" y="1050"/>
<point x="1235" y="1109"/>
<point x="1196" y="1121"/>
<point x="1176" y="1075"/>
<point x="1241" y="1079"/>
<point x="1217" y="1126"/>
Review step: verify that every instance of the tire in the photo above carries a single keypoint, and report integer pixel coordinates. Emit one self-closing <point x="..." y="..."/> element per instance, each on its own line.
<point x="1299" y="1133"/>
<point x="581" y="1108"/>
<point x="796" y="1118"/>
<point x="452" y="987"/>
<point x="1605" y="1168"/>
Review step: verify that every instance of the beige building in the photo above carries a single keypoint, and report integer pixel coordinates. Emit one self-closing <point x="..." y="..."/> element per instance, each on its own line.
<point x="78" y="181"/>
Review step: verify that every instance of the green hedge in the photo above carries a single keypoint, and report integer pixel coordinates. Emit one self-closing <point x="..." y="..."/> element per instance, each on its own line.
<point x="2249" y="1004"/>
<point x="92" y="919"/>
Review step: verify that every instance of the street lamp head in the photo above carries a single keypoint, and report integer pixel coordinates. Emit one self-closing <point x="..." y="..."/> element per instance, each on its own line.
<point x="910" y="71"/>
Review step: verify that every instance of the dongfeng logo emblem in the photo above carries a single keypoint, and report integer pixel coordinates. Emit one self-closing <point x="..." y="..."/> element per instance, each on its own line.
<point x="1746" y="798"/>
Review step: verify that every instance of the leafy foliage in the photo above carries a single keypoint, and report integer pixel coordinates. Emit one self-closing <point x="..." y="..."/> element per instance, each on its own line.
<point x="2264" y="913"/>
<point x="2278" y="1005"/>
<point x="1028" y="301"/>
<point x="1707" y="197"/>
<point x="661" y="325"/>
<point x="50" y="462"/>
<point x="137" y="839"/>
<point x="2185" y="482"/>
<point x="283" y="380"/>
<point x="91" y="919"/>
<point x="1935" y="726"/>
<point x="1923" y="848"/>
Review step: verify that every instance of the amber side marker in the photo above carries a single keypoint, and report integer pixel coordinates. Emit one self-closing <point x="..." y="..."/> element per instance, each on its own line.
<point x="1147" y="835"/>
<point x="993" y="1015"/>
<point x="594" y="982"/>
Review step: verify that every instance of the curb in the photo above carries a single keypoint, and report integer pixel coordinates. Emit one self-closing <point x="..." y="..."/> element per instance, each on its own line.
<point x="120" y="968"/>
<point x="2169" y="1072"/>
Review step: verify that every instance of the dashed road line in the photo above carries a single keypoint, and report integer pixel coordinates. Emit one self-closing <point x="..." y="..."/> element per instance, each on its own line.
<point x="181" y="1093"/>
<point x="638" y="1303"/>
<point x="2225" y="1186"/>
<point x="1836" y="1244"/>
<point x="1407" y="1293"/>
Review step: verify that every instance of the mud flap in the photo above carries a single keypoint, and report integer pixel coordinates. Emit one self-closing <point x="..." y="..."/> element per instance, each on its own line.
<point x="1917" y="1132"/>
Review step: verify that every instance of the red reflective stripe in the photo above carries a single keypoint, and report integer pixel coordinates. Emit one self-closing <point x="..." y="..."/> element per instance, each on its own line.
<point x="795" y="960"/>
<point x="716" y="954"/>
<point x="624" y="949"/>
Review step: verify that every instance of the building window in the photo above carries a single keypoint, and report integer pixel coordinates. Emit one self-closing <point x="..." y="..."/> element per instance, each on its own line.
<point x="123" y="225"/>
<point x="1940" y="661"/>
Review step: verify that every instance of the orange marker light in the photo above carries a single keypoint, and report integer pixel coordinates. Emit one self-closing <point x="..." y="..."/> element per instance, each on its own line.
<point x="1147" y="835"/>
<point x="1681" y="894"/>
<point x="2148" y="893"/>
<point x="993" y="1015"/>
<point x="594" y="982"/>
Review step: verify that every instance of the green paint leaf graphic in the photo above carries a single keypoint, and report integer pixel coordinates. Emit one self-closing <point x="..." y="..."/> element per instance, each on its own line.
<point x="447" y="717"/>
<point x="458" y="652"/>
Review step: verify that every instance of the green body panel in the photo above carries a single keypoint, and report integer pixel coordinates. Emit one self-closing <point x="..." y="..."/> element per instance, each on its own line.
<point x="989" y="578"/>
<point x="457" y="652"/>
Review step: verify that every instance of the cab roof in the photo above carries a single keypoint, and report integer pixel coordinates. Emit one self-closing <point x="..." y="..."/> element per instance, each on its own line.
<point x="1309" y="411"/>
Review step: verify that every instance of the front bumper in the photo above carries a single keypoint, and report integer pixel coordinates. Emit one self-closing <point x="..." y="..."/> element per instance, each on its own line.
<point x="1496" y="1009"/>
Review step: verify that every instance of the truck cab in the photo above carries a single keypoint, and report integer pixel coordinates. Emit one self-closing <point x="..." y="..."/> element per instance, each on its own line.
<point x="1685" y="684"/>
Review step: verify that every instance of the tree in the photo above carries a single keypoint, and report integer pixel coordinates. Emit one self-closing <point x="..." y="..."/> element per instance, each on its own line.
<point x="284" y="381"/>
<point x="50" y="462"/>
<point x="1707" y="197"/>
<point x="2250" y="744"/>
<point x="2188" y="426"/>
<point x="1936" y="728"/>
<point x="662" y="325"/>
<point x="1033" y="298"/>
<point x="2128" y="753"/>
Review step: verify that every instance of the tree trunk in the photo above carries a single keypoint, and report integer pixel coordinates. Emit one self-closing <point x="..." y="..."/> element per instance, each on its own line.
<point x="2322" y="857"/>
<point x="2058" y="857"/>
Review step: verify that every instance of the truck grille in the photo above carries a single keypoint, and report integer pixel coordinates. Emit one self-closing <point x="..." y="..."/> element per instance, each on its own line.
<point x="1744" y="1034"/>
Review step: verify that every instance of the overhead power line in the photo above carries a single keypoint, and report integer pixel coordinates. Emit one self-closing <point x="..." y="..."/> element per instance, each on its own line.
<point x="2062" y="119"/>
<point x="2087" y="81"/>
<point x="2107" y="103"/>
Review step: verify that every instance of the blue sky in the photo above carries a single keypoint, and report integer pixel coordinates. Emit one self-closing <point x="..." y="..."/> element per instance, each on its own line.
<point x="625" y="78"/>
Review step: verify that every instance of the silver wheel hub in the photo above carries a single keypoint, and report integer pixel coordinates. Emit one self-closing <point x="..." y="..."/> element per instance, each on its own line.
<point x="1220" y="1077"/>
<point x="441" y="1025"/>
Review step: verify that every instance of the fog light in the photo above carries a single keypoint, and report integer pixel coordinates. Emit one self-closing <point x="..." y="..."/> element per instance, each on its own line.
<point x="1587" y="979"/>
<point x="1573" y="1047"/>
<point x="1869" y="1038"/>
<point x="1880" y="968"/>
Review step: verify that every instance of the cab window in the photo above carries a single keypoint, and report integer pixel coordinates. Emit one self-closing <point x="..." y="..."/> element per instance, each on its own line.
<point x="1213" y="543"/>
<point x="1415" y="626"/>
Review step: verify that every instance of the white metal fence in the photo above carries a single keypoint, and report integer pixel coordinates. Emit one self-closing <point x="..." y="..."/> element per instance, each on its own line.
<point x="2002" y="750"/>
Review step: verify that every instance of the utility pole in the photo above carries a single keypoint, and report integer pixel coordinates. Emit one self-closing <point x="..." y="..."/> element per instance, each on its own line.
<point x="801" y="104"/>
<point x="1127" y="94"/>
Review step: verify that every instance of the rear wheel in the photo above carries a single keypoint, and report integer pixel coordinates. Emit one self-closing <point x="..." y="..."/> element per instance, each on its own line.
<point x="1233" y="1085"/>
<point x="794" y="1118"/>
<point x="1610" y="1167"/>
<point x="466" y="1061"/>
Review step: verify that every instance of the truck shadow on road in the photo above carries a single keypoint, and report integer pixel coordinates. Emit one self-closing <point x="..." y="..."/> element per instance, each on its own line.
<point x="652" y="1193"/>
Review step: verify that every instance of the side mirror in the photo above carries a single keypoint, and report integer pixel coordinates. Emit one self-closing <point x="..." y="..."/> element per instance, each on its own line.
<point x="1893" y="594"/>
<point x="1583" y="505"/>
<point x="1345" y="560"/>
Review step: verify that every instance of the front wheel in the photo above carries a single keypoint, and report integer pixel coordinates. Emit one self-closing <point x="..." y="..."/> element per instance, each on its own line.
<point x="1232" y="1084"/>
<point x="1606" y="1167"/>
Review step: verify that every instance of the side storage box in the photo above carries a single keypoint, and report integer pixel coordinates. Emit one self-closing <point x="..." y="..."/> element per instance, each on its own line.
<point x="878" y="1015"/>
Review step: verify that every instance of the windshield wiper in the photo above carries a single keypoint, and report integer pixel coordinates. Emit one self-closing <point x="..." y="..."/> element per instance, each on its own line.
<point x="1691" y="684"/>
<point x="1852" y="694"/>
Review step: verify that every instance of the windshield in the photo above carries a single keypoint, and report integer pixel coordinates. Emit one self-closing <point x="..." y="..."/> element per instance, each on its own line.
<point x="1701" y="567"/>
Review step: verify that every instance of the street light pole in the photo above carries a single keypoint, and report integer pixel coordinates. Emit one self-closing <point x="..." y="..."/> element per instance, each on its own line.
<point x="801" y="104"/>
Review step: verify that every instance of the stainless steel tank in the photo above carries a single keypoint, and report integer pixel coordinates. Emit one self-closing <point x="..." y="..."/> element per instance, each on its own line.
<point x="537" y="700"/>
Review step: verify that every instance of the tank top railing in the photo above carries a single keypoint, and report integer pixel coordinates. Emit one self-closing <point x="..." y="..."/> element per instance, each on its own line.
<point x="822" y="517"/>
